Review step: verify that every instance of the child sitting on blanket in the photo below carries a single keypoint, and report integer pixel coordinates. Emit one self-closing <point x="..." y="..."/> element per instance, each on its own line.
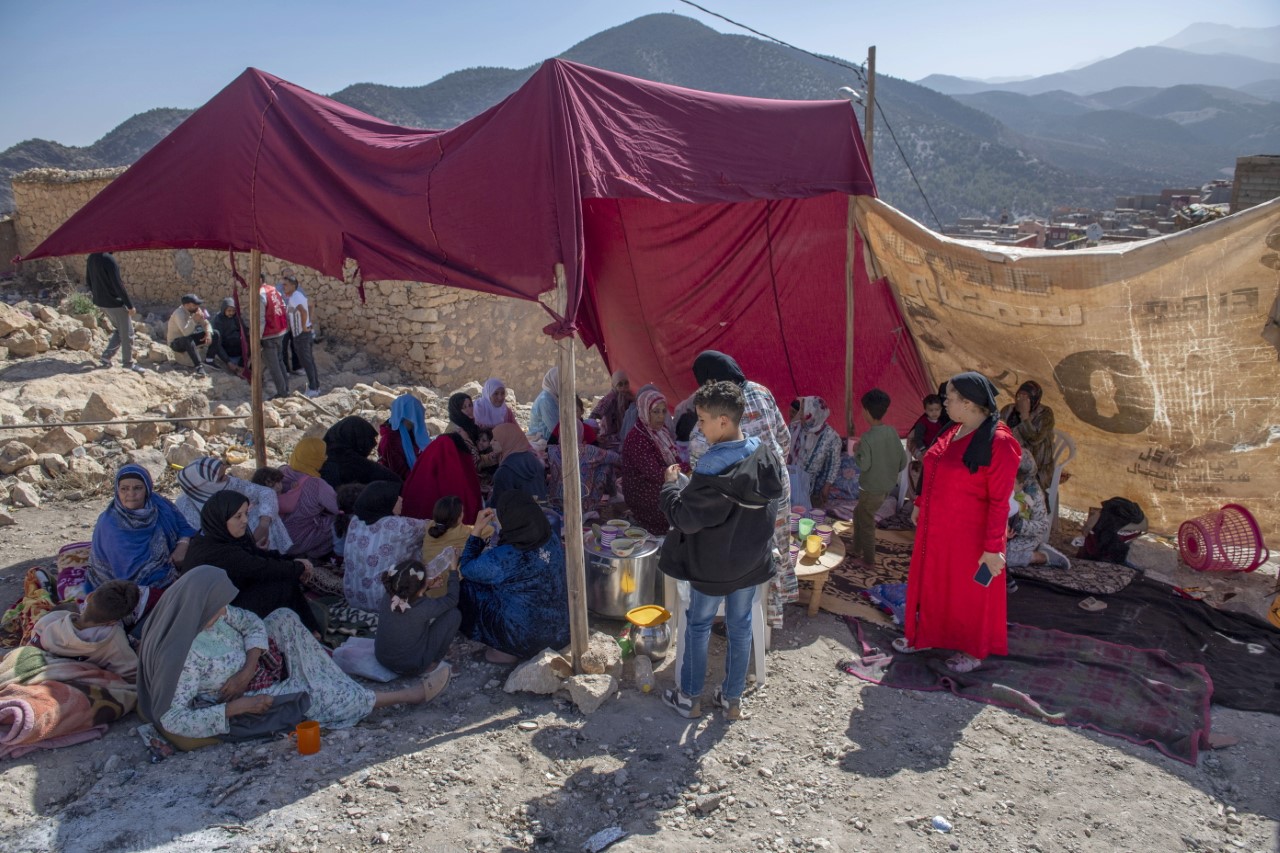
<point x="419" y="617"/>
<point x="95" y="634"/>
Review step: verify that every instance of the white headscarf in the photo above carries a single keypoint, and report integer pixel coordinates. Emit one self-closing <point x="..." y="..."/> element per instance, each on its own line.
<point x="484" y="412"/>
<point x="551" y="382"/>
<point x="808" y="427"/>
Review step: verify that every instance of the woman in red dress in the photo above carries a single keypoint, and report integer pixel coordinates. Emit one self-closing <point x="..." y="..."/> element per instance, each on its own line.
<point x="648" y="451"/>
<point x="962" y="518"/>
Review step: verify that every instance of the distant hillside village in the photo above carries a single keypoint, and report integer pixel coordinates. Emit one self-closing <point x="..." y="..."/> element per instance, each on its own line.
<point x="1133" y="217"/>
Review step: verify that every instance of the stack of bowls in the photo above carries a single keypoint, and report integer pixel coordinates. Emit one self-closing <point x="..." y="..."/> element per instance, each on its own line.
<point x="819" y="516"/>
<point x="608" y="533"/>
<point x="824" y="532"/>
<point x="795" y="521"/>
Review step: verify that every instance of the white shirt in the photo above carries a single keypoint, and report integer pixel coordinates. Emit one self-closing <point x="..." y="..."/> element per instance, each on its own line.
<point x="294" y="302"/>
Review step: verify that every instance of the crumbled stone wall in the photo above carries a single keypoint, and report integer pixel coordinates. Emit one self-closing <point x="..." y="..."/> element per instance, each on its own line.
<point x="441" y="336"/>
<point x="8" y="243"/>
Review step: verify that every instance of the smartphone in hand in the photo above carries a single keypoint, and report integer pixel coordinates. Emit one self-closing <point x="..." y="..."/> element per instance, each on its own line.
<point x="984" y="576"/>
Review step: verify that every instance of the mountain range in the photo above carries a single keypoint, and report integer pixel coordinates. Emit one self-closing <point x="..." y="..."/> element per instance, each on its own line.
<point x="980" y="152"/>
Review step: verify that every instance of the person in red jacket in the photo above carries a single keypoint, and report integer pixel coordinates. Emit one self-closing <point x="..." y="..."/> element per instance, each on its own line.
<point x="274" y="323"/>
<point x="443" y="468"/>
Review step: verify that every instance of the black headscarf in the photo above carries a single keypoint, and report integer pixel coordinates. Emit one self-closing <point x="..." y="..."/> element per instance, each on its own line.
<point x="377" y="501"/>
<point x="215" y="514"/>
<point x="524" y="524"/>
<point x="1034" y="394"/>
<point x="978" y="389"/>
<point x="945" y="420"/>
<point x="712" y="366"/>
<point x="463" y="421"/>
<point x="170" y="629"/>
<point x="352" y="434"/>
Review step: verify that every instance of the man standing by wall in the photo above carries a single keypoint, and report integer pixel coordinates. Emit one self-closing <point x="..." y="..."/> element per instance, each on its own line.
<point x="303" y="332"/>
<point x="273" y="325"/>
<point x="189" y="330"/>
<point x="103" y="277"/>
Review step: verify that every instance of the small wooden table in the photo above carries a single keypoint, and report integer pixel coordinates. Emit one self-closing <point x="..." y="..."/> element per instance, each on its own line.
<point x="816" y="571"/>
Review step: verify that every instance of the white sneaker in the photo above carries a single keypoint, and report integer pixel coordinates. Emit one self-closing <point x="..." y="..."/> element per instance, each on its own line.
<point x="315" y="392"/>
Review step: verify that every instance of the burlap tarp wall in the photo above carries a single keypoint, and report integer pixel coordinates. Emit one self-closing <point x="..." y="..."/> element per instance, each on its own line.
<point x="1151" y="354"/>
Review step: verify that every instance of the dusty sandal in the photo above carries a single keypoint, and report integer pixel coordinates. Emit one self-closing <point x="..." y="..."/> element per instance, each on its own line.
<point x="901" y="645"/>
<point x="1093" y="605"/>
<point x="963" y="663"/>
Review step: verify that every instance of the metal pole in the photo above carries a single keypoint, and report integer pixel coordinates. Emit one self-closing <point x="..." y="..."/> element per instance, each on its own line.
<point x="255" y="357"/>
<point x="574" y="557"/>
<point x="868" y="131"/>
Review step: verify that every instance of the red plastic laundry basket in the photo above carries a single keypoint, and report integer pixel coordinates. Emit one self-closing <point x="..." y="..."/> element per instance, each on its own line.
<point x="1224" y="541"/>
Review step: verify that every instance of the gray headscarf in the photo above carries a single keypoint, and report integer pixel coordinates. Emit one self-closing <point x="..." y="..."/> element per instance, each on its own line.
<point x="171" y="628"/>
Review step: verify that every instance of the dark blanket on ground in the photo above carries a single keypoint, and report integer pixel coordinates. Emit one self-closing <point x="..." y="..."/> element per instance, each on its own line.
<point x="1241" y="654"/>
<point x="1140" y="695"/>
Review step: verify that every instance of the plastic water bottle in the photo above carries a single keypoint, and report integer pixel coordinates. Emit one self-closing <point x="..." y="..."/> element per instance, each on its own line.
<point x="644" y="674"/>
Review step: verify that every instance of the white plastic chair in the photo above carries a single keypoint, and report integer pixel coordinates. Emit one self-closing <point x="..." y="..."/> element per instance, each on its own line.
<point x="1064" y="450"/>
<point x="676" y="596"/>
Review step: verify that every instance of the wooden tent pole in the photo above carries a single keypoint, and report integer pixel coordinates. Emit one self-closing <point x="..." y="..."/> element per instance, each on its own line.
<point x="851" y="250"/>
<point x="868" y="132"/>
<point x="255" y="357"/>
<point x="574" y="557"/>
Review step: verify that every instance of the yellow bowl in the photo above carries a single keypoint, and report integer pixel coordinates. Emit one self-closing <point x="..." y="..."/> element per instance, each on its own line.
<point x="648" y="615"/>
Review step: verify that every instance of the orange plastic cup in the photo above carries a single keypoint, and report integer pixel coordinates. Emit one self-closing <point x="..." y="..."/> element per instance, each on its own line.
<point x="308" y="736"/>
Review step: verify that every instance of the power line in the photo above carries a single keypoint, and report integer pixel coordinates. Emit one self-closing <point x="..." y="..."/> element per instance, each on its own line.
<point x="856" y="70"/>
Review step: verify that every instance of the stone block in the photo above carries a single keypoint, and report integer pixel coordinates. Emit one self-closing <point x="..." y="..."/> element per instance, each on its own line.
<point x="88" y="469"/>
<point x="149" y="458"/>
<point x="23" y="344"/>
<point x="13" y="320"/>
<point x="33" y="474"/>
<point x="144" y="435"/>
<point x="79" y="340"/>
<point x="182" y="455"/>
<point x="602" y="654"/>
<point x="59" y="440"/>
<point x="99" y="408"/>
<point x="23" y="494"/>
<point x="543" y="674"/>
<point x="6" y="519"/>
<point x="53" y="464"/>
<point x="589" y="692"/>
<point x="15" y="456"/>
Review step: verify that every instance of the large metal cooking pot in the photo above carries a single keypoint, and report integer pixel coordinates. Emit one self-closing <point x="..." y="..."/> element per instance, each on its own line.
<point x="618" y="584"/>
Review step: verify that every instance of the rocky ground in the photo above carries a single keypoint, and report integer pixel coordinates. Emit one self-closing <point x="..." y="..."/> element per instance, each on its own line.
<point x="823" y="762"/>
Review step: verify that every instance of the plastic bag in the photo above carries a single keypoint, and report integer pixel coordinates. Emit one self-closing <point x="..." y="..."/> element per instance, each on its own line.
<point x="356" y="657"/>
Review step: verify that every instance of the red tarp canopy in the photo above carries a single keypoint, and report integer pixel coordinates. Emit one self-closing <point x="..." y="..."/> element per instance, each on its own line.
<point x="685" y="220"/>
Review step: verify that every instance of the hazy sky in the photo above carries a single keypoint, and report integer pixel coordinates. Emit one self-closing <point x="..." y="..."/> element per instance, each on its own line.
<point x="74" y="69"/>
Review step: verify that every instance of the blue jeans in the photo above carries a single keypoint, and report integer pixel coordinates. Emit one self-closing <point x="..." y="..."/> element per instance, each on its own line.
<point x="697" y="627"/>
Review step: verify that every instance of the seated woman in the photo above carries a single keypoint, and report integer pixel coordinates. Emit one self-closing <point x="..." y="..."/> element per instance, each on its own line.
<point x="446" y="530"/>
<point x="348" y="444"/>
<point x="544" y="416"/>
<point x="139" y="538"/>
<point x="403" y="436"/>
<point x="201" y="665"/>
<point x="815" y="447"/>
<point x="445" y="468"/>
<point x="267" y="580"/>
<point x="419" y="617"/>
<point x="514" y="597"/>
<point x="491" y="406"/>
<point x="519" y="468"/>
<point x="647" y="453"/>
<point x="598" y="469"/>
<point x="462" y="424"/>
<point x="1028" y="543"/>
<point x="207" y="476"/>
<point x="611" y="411"/>
<point x="379" y="538"/>
<point x="308" y="505"/>
<point x="587" y="434"/>
<point x="1032" y="423"/>
<point x="633" y="414"/>
<point x="95" y="633"/>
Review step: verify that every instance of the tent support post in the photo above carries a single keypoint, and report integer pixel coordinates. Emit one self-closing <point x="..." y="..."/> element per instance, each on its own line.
<point x="574" y="556"/>
<point x="870" y="112"/>
<point x="851" y="251"/>
<point x="255" y="358"/>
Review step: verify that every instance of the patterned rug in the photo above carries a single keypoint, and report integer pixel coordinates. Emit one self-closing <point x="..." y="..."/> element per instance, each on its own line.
<point x="1085" y="576"/>
<point x="1141" y="695"/>
<point x="842" y="594"/>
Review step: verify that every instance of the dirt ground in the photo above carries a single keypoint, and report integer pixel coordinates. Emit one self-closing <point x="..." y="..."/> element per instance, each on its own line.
<point x="824" y="762"/>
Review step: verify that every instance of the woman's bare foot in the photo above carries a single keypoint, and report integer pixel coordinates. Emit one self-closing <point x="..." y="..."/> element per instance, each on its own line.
<point x="495" y="656"/>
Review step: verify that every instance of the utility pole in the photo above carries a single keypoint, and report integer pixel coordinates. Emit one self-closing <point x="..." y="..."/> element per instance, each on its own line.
<point x="870" y="111"/>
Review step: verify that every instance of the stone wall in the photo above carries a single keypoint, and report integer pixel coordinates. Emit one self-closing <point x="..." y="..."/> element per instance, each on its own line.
<point x="1257" y="180"/>
<point x="8" y="244"/>
<point x="439" y="336"/>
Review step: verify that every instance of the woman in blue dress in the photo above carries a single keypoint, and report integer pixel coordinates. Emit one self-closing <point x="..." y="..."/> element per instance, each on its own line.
<point x="514" y="598"/>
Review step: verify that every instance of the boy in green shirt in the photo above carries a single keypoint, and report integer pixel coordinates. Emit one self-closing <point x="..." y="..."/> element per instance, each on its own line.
<point x="881" y="459"/>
